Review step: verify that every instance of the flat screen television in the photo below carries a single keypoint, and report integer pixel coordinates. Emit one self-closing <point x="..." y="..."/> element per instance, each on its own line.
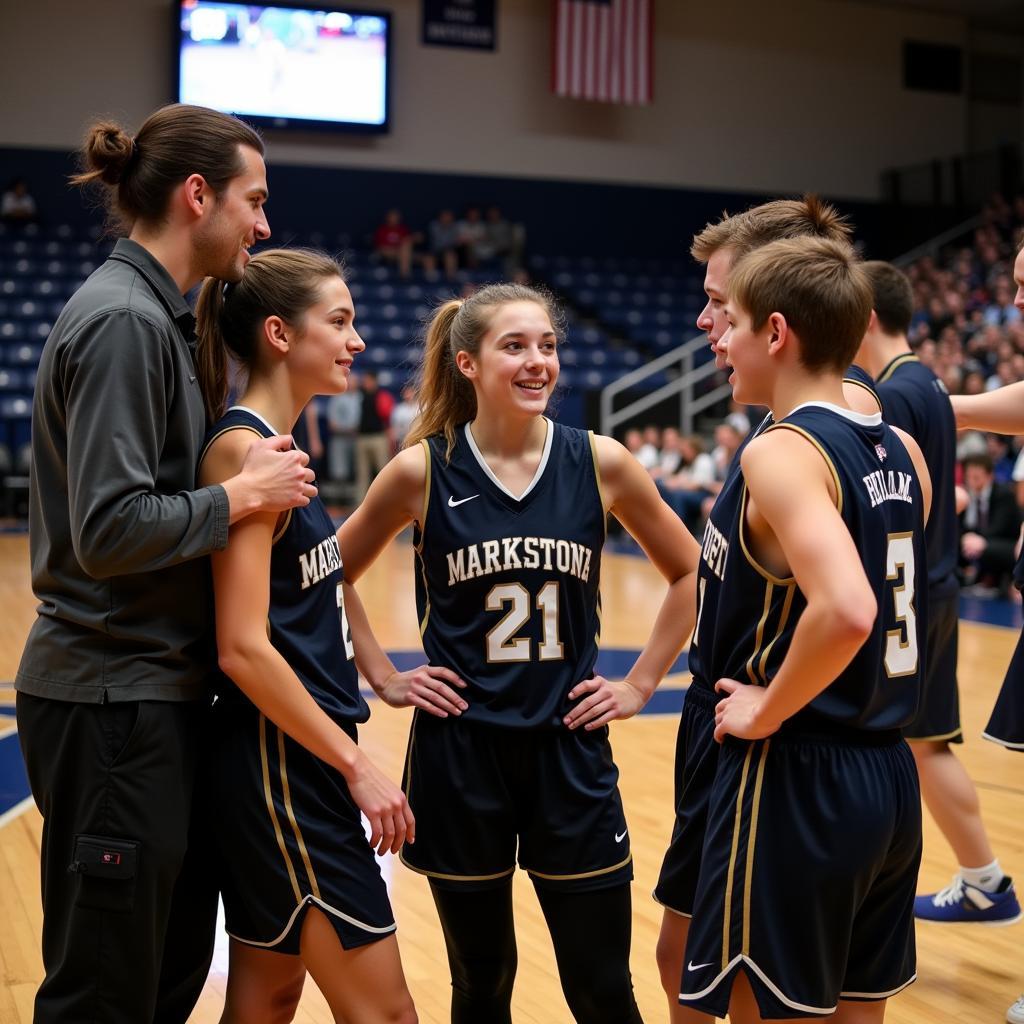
<point x="285" y="66"/>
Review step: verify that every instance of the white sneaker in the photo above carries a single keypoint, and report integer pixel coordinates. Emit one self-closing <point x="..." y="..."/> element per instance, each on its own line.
<point x="1015" y="1014"/>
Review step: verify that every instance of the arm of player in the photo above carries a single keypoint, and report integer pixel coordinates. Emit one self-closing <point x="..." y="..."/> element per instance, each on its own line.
<point x="115" y="376"/>
<point x="241" y="582"/>
<point x="631" y="496"/>
<point x="924" y="478"/>
<point x="396" y="498"/>
<point x="1001" y="410"/>
<point x="792" y="509"/>
<point x="429" y="687"/>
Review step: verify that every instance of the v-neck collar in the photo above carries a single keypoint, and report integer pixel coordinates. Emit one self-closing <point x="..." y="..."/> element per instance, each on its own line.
<point x="541" y="466"/>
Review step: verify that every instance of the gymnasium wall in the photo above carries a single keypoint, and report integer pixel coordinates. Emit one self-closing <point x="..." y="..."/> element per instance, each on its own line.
<point x="749" y="96"/>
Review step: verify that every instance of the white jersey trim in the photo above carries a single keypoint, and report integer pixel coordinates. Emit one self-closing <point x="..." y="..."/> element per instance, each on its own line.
<point x="253" y="412"/>
<point x="307" y="901"/>
<point x="542" y="465"/>
<point x="863" y="419"/>
<point x="778" y="993"/>
<point x="1003" y="743"/>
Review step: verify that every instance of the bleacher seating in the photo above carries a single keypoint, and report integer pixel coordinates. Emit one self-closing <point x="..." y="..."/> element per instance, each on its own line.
<point x="619" y="312"/>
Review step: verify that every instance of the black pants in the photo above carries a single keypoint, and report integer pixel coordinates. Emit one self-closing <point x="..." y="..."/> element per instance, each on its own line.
<point x="128" y="917"/>
<point x="590" y="931"/>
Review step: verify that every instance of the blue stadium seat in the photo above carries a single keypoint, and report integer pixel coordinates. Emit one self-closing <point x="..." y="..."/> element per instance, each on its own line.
<point x="24" y="355"/>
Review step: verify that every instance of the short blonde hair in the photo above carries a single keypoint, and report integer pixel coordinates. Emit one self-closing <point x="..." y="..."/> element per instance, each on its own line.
<point x="771" y="222"/>
<point x="818" y="285"/>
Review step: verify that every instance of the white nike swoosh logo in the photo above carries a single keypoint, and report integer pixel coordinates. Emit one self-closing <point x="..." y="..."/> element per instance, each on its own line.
<point x="621" y="835"/>
<point x="691" y="966"/>
<point x="462" y="501"/>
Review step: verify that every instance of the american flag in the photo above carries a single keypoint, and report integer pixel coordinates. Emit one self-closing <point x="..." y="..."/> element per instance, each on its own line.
<point x="603" y="50"/>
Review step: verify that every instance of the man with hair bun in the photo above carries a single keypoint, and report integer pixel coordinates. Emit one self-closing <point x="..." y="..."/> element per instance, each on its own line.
<point x="114" y="679"/>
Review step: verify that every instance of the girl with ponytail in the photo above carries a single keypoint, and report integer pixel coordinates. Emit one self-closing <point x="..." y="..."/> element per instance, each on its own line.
<point x="286" y="779"/>
<point x="509" y="756"/>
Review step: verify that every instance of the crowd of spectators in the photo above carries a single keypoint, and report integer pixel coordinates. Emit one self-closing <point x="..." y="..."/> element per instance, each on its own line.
<point x="968" y="330"/>
<point x="477" y="239"/>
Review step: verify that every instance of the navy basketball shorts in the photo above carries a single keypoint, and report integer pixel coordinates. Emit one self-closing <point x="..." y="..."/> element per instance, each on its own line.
<point x="485" y="797"/>
<point x="289" y="836"/>
<point x="808" y="875"/>
<point x="696" y="759"/>
<point x="1006" y="726"/>
<point x="938" y="714"/>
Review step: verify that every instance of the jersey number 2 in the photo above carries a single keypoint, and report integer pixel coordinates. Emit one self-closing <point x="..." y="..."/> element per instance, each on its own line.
<point x="901" y="642"/>
<point x="502" y="644"/>
<point x="346" y="630"/>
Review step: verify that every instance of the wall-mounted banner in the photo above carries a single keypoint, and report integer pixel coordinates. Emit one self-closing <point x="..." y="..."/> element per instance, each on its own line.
<point x="468" y="23"/>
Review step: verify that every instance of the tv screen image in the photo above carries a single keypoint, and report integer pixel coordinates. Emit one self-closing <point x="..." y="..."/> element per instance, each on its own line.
<point x="285" y="66"/>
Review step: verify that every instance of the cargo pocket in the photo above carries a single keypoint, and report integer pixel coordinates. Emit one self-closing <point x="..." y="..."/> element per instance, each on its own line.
<point x="106" y="870"/>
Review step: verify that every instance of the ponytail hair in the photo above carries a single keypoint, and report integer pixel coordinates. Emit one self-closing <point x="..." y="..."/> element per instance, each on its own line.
<point x="140" y="172"/>
<point x="446" y="398"/>
<point x="230" y="317"/>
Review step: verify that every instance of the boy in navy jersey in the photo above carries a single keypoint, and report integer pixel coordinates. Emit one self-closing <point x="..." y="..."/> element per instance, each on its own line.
<point x="719" y="246"/>
<point x="915" y="400"/>
<point x="809" y="629"/>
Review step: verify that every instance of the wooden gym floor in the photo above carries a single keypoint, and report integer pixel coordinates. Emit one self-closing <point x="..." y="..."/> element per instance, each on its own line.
<point x="968" y="974"/>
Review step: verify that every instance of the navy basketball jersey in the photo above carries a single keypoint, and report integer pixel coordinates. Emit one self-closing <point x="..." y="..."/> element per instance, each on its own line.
<point x="746" y="615"/>
<point x="914" y="399"/>
<point x="507" y="587"/>
<point x="306" y="618"/>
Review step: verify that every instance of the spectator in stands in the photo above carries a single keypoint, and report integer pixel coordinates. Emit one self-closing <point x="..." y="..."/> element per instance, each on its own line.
<point x="402" y="416"/>
<point x="374" y="445"/>
<point x="343" y="421"/>
<point x="502" y="241"/>
<point x="393" y="241"/>
<point x="739" y="417"/>
<point x="1002" y="456"/>
<point x="989" y="528"/>
<point x="728" y="438"/>
<point x="633" y="440"/>
<point x="443" y="244"/>
<point x="472" y="238"/>
<point x="115" y="679"/>
<point x="17" y="205"/>
<point x="686" y="489"/>
<point x="649" y="453"/>
<point x="670" y="457"/>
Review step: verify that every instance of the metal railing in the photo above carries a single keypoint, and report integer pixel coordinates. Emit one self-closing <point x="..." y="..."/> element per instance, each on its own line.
<point x="682" y="385"/>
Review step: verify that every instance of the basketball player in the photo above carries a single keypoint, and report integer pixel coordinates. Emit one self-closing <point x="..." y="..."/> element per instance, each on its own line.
<point x="719" y="246"/>
<point x="287" y="781"/>
<point x="915" y="400"/>
<point x="1003" y="410"/>
<point x="510" y="511"/>
<point x="808" y="623"/>
<point x="113" y="685"/>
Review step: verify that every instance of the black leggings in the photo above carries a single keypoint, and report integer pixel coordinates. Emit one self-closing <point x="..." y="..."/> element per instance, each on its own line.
<point x="591" y="935"/>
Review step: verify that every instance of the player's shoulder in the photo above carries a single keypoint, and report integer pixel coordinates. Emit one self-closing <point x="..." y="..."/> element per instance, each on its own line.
<point x="411" y="464"/>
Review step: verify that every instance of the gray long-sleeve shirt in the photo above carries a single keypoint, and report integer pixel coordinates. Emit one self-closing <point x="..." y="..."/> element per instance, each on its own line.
<point x="117" y="529"/>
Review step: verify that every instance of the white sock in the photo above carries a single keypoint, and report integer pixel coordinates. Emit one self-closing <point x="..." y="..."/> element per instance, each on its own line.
<point x="987" y="878"/>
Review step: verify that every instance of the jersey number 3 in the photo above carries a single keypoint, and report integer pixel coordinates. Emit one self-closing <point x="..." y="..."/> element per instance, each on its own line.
<point x="502" y="643"/>
<point x="901" y="642"/>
